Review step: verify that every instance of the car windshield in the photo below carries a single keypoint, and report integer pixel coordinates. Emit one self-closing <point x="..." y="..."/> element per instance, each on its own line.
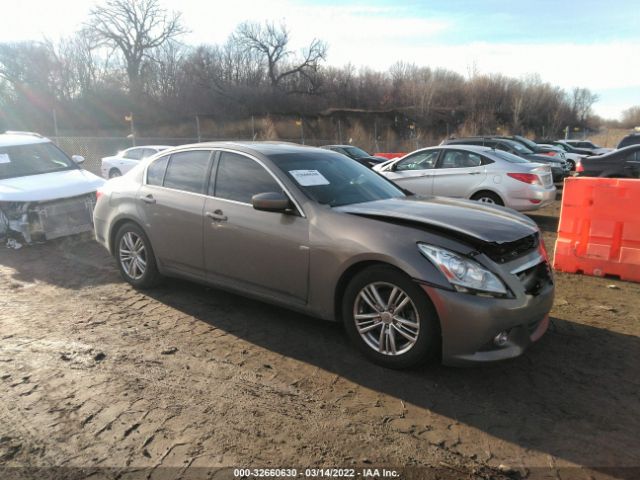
<point x="334" y="180"/>
<point x="509" y="157"/>
<point x="32" y="159"/>
<point x="519" y="147"/>
<point x="355" y="152"/>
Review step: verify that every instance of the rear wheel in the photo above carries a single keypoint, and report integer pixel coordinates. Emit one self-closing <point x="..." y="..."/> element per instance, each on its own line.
<point x="114" y="172"/>
<point x="390" y="318"/>
<point x="488" y="197"/>
<point x="136" y="261"/>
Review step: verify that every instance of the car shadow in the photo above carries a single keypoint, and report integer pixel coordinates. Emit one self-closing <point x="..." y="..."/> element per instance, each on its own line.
<point x="83" y="262"/>
<point x="570" y="396"/>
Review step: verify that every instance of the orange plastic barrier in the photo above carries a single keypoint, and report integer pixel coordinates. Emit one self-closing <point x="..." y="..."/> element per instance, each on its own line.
<point x="389" y="155"/>
<point x="599" y="231"/>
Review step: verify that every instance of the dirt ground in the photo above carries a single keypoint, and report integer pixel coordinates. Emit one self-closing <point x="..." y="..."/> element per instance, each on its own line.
<point x="102" y="381"/>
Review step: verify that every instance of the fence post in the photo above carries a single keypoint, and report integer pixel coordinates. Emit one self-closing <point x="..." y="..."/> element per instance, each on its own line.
<point x="302" y="128"/>
<point x="339" y="132"/>
<point x="198" y="127"/>
<point x="253" y="128"/>
<point x="55" y="125"/>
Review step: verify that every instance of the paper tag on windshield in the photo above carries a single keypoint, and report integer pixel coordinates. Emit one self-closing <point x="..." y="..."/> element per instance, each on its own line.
<point x="309" y="178"/>
<point x="4" y="158"/>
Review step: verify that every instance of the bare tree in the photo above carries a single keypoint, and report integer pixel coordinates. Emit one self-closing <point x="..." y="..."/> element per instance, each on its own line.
<point x="135" y="28"/>
<point x="271" y="42"/>
<point x="582" y="99"/>
<point x="631" y="117"/>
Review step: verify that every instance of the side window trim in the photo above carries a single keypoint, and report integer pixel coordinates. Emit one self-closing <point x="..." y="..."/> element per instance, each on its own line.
<point x="259" y="162"/>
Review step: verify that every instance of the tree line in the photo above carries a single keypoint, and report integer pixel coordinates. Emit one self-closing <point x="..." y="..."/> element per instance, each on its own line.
<point x="129" y="57"/>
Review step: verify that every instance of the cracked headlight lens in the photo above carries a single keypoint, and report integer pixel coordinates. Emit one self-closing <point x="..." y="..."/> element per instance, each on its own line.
<point x="463" y="273"/>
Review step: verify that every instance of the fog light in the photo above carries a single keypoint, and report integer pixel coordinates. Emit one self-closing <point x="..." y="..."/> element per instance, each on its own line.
<point x="501" y="339"/>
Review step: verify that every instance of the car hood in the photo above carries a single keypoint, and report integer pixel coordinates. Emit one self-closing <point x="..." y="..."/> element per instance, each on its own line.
<point x="463" y="217"/>
<point x="49" y="186"/>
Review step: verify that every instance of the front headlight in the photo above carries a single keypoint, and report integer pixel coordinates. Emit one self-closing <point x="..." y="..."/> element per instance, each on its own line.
<point x="463" y="273"/>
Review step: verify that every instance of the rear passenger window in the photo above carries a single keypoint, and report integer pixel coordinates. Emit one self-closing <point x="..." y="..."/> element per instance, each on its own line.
<point x="459" y="159"/>
<point x="134" y="154"/>
<point x="155" y="171"/>
<point x="188" y="171"/>
<point x="239" y="178"/>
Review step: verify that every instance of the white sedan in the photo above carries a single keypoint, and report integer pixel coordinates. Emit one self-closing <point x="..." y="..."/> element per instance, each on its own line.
<point x="473" y="172"/>
<point x="125" y="160"/>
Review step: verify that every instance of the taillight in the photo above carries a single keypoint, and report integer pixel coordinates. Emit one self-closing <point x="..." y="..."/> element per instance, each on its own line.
<point x="551" y="154"/>
<point x="579" y="167"/>
<point x="529" y="178"/>
<point x="99" y="193"/>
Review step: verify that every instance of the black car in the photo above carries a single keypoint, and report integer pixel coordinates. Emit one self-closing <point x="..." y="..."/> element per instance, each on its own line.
<point x="622" y="163"/>
<point x="631" y="139"/>
<point x="568" y="147"/>
<point x="559" y="168"/>
<point x="530" y="144"/>
<point x="357" y="154"/>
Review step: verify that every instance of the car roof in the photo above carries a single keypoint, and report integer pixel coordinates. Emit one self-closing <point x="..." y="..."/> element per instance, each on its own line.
<point x="340" y="146"/>
<point x="264" y="148"/>
<point x="458" y="146"/>
<point x="152" y="146"/>
<point x="10" y="139"/>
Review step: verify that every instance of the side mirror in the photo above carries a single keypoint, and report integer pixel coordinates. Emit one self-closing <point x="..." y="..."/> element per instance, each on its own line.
<point x="271" y="202"/>
<point x="78" y="159"/>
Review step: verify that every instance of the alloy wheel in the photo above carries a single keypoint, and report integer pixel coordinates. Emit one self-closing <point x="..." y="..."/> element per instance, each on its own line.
<point x="386" y="318"/>
<point x="487" y="200"/>
<point x="133" y="255"/>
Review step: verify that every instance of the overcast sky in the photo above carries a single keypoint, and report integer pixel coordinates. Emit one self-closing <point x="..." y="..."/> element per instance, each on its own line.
<point x="595" y="44"/>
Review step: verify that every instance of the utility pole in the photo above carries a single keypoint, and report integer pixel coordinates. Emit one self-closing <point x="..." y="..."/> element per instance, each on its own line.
<point x="198" y="128"/>
<point x="339" y="132"/>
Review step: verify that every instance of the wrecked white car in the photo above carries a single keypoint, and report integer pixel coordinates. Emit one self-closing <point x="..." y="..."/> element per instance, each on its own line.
<point x="43" y="193"/>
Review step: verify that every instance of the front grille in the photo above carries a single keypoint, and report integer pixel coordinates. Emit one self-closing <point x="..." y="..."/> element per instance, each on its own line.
<point x="534" y="279"/>
<point x="506" y="252"/>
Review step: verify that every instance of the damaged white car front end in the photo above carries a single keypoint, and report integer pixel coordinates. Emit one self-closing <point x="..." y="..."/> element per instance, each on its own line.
<point x="43" y="194"/>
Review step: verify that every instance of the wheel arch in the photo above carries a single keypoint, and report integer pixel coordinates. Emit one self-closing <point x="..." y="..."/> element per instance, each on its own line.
<point x="489" y="190"/>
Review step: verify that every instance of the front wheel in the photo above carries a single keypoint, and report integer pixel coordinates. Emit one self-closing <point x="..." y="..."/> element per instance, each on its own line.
<point x="390" y="318"/>
<point x="114" y="172"/>
<point x="135" y="257"/>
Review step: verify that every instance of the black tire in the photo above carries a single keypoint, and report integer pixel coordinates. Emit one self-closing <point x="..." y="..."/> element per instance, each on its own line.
<point x="150" y="277"/>
<point x="572" y="165"/>
<point x="428" y="340"/>
<point x="488" y="197"/>
<point x="114" y="172"/>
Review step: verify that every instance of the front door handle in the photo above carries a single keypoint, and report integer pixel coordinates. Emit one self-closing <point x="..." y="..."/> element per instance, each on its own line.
<point x="217" y="216"/>
<point x="474" y="173"/>
<point x="149" y="199"/>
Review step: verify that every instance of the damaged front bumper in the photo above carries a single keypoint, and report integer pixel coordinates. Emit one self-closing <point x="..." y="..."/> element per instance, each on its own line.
<point x="38" y="221"/>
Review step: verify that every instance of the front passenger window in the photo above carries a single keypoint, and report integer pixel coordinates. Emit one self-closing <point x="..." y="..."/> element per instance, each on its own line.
<point x="239" y="178"/>
<point x="418" y="161"/>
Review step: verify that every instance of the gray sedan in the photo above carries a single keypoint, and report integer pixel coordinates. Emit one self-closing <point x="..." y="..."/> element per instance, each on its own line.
<point x="412" y="278"/>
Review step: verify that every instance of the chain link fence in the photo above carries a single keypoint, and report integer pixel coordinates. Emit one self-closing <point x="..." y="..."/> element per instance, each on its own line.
<point x="93" y="149"/>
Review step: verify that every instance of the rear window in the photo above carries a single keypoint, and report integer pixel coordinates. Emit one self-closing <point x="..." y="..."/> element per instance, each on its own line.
<point x="155" y="172"/>
<point x="188" y="171"/>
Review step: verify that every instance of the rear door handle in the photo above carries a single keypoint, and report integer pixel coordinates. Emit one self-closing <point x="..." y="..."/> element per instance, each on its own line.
<point x="217" y="216"/>
<point x="149" y="199"/>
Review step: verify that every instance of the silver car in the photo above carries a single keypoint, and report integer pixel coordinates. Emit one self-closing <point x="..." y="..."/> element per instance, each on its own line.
<point x="477" y="173"/>
<point x="412" y="278"/>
